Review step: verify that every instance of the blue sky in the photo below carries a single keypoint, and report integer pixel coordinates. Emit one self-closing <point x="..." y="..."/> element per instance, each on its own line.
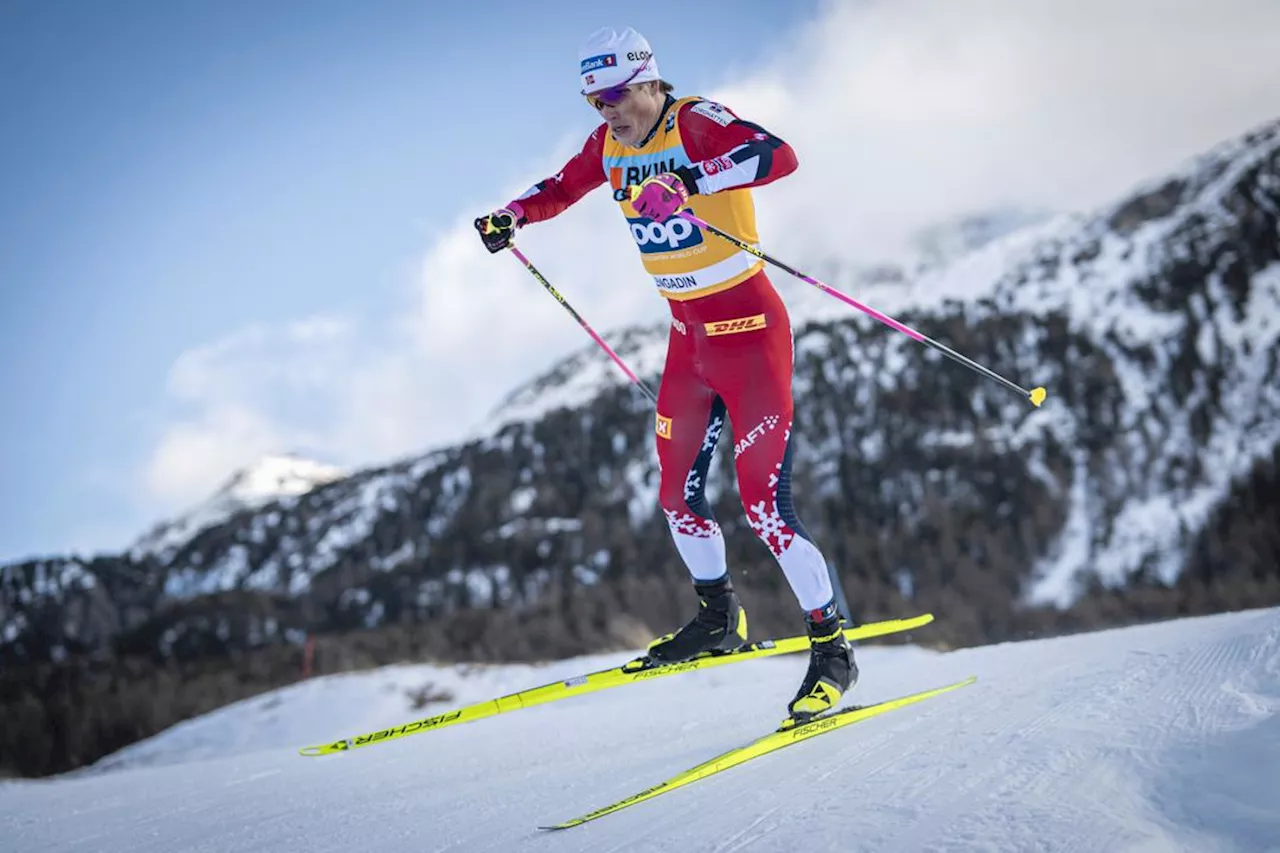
<point x="231" y="228"/>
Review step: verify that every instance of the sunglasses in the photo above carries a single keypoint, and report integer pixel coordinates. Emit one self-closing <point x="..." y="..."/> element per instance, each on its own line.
<point x="613" y="95"/>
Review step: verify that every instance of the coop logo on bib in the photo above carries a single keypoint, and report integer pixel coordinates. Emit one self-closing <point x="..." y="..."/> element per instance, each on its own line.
<point x="669" y="236"/>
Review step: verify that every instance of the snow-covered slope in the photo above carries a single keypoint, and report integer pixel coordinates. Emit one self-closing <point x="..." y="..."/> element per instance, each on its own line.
<point x="270" y="478"/>
<point x="1163" y="737"/>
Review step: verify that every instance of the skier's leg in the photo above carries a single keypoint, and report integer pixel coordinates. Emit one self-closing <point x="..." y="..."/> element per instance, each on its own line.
<point x="752" y="371"/>
<point x="754" y="378"/>
<point x="689" y="420"/>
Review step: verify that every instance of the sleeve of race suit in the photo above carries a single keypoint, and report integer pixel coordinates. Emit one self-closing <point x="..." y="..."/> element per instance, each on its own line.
<point x="729" y="152"/>
<point x="583" y="173"/>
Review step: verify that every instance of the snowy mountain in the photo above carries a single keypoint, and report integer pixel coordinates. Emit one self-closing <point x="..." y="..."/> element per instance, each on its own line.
<point x="1159" y="737"/>
<point x="1143" y="488"/>
<point x="271" y="478"/>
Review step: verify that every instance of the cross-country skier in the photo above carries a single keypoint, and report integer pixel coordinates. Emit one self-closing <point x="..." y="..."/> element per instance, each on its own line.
<point x="730" y="345"/>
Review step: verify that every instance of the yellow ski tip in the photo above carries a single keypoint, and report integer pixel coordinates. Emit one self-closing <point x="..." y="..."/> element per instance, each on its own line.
<point x="326" y="748"/>
<point x="1037" y="396"/>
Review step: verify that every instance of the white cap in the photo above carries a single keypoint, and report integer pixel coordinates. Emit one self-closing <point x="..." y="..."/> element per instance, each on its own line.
<point x="611" y="58"/>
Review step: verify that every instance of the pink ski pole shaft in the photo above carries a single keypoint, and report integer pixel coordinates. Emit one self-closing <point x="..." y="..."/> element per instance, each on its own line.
<point x="583" y="323"/>
<point x="1035" y="395"/>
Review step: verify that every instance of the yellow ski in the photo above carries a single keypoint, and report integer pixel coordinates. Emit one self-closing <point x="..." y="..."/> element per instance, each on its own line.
<point x="628" y="673"/>
<point x="761" y="746"/>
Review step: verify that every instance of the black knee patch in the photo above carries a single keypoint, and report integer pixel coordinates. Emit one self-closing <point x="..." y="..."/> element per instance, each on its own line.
<point x="786" y="508"/>
<point x="695" y="482"/>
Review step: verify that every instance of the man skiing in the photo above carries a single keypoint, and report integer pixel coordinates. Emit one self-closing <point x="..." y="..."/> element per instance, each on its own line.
<point x="730" y="345"/>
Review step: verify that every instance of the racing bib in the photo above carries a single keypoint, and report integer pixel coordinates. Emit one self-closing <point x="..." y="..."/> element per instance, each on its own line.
<point x="685" y="263"/>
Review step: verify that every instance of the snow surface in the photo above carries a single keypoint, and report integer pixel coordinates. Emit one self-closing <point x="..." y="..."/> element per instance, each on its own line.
<point x="1153" y="738"/>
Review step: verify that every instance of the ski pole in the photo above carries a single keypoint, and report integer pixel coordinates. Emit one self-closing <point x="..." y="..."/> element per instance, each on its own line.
<point x="1035" y="395"/>
<point x="583" y="323"/>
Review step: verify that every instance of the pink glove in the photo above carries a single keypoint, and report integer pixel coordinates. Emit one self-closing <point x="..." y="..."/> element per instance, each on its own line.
<point x="660" y="197"/>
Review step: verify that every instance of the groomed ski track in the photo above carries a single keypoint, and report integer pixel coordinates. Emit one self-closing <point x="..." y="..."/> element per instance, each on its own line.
<point x="1161" y="737"/>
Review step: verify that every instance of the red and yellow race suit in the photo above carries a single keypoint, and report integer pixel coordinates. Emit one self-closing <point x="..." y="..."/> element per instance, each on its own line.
<point x="730" y="346"/>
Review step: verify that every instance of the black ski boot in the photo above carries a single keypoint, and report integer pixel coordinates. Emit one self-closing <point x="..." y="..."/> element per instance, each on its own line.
<point x="721" y="625"/>
<point x="832" y="671"/>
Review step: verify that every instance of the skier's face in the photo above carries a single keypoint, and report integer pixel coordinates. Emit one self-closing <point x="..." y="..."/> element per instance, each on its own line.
<point x="631" y="116"/>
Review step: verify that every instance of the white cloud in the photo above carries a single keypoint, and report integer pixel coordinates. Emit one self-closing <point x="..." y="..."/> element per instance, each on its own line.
<point x="912" y="111"/>
<point x="255" y="391"/>
<point x="903" y="113"/>
<point x="194" y="457"/>
<point x="257" y="358"/>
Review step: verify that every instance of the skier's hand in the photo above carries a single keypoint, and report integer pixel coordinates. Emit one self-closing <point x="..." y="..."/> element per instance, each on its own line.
<point x="497" y="228"/>
<point x="660" y="197"/>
